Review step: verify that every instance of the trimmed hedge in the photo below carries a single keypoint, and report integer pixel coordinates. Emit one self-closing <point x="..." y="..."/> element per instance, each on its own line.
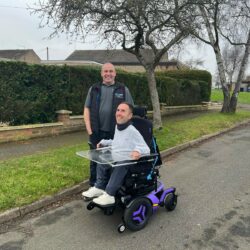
<point x="32" y="93"/>
<point x="201" y="77"/>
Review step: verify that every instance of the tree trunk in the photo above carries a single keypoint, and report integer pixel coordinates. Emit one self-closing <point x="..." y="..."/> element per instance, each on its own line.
<point x="222" y="75"/>
<point x="233" y="102"/>
<point x="154" y="97"/>
<point x="226" y="99"/>
<point x="214" y="42"/>
<point x="234" y="98"/>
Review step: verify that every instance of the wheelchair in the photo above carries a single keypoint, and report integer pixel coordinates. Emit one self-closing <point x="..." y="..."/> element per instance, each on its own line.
<point x="142" y="193"/>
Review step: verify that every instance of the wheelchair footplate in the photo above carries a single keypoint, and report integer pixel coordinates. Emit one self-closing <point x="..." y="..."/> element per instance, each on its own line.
<point x="107" y="209"/>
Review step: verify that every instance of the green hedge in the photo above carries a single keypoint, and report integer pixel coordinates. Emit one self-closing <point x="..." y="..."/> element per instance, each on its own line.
<point x="32" y="93"/>
<point x="201" y="77"/>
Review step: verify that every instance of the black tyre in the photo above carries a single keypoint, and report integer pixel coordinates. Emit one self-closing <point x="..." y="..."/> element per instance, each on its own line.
<point x="90" y="206"/>
<point x="137" y="214"/>
<point x="170" y="201"/>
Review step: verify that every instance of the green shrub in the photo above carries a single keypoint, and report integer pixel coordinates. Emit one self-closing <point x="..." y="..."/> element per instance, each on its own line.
<point x="32" y="93"/>
<point x="201" y="77"/>
<point x="188" y="74"/>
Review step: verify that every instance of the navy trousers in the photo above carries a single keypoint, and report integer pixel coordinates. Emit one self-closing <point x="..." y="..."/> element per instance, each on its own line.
<point x="94" y="140"/>
<point x="110" y="179"/>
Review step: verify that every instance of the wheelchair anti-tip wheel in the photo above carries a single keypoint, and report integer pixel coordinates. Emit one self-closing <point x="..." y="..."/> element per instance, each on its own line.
<point x="121" y="228"/>
<point x="137" y="214"/>
<point x="170" y="201"/>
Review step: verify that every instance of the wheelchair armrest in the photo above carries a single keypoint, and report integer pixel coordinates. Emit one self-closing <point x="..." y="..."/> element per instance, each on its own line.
<point x="148" y="157"/>
<point x="143" y="159"/>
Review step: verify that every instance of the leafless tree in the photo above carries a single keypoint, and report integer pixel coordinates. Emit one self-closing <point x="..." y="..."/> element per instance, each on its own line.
<point x="134" y="25"/>
<point x="232" y="57"/>
<point x="194" y="63"/>
<point x="241" y="31"/>
<point x="217" y="80"/>
<point x="218" y="21"/>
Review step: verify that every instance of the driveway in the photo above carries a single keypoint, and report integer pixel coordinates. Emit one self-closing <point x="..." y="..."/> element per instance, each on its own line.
<point x="213" y="210"/>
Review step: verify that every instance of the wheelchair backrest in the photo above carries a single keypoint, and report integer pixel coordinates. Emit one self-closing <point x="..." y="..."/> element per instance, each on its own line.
<point x="145" y="127"/>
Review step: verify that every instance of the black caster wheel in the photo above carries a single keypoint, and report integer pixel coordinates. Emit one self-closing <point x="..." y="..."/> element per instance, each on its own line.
<point x="121" y="228"/>
<point x="90" y="206"/>
<point x="170" y="201"/>
<point x="137" y="214"/>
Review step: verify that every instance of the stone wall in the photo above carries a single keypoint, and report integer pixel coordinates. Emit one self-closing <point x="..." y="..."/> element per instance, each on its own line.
<point x="65" y="124"/>
<point x="174" y="110"/>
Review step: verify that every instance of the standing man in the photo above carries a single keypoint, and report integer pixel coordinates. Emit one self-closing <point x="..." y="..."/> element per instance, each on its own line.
<point x="100" y="107"/>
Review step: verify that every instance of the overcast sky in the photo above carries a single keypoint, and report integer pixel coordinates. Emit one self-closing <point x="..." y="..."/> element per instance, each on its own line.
<point x="20" y="30"/>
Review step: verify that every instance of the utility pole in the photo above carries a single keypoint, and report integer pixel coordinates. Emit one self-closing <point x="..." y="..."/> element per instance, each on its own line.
<point x="47" y="53"/>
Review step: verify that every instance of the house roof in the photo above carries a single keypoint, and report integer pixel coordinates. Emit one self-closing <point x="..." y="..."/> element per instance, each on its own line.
<point x="15" y="53"/>
<point x="117" y="57"/>
<point x="69" y="63"/>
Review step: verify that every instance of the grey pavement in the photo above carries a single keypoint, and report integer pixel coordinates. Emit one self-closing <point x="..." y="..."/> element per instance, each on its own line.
<point x="11" y="150"/>
<point x="213" y="210"/>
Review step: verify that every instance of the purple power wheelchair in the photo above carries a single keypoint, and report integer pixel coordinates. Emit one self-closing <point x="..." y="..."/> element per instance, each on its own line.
<point x="142" y="193"/>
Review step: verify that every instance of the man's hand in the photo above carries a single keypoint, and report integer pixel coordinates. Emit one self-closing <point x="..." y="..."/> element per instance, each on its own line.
<point x="135" y="155"/>
<point x="93" y="139"/>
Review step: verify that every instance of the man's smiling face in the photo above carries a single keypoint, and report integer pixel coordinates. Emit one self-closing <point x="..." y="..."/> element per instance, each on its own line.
<point x="123" y="114"/>
<point x="108" y="73"/>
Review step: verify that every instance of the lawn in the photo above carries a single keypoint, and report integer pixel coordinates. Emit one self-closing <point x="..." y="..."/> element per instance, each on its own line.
<point x="27" y="179"/>
<point x="217" y="96"/>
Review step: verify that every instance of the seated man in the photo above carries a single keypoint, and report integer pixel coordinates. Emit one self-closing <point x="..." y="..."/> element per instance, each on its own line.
<point x="126" y="138"/>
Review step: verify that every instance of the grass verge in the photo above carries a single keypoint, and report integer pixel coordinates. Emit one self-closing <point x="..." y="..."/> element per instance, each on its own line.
<point x="217" y="96"/>
<point x="29" y="178"/>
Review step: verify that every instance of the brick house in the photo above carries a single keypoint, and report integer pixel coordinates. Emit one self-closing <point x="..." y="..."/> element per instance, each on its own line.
<point x="122" y="59"/>
<point x="23" y="55"/>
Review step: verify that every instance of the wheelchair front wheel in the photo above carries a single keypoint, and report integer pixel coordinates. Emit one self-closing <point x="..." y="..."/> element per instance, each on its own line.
<point x="137" y="214"/>
<point x="170" y="201"/>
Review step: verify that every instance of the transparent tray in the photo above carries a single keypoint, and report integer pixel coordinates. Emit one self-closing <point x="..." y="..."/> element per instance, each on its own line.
<point x="110" y="156"/>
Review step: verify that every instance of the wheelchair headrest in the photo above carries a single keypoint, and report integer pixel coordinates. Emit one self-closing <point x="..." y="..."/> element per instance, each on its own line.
<point x="140" y="111"/>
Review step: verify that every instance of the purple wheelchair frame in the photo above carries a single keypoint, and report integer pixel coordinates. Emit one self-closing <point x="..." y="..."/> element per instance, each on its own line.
<point x="139" y="215"/>
<point x="156" y="202"/>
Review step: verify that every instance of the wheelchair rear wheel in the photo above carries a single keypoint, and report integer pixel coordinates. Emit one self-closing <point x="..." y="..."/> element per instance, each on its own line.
<point x="137" y="214"/>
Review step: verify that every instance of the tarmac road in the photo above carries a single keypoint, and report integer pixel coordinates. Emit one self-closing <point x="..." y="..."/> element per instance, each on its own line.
<point x="213" y="211"/>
